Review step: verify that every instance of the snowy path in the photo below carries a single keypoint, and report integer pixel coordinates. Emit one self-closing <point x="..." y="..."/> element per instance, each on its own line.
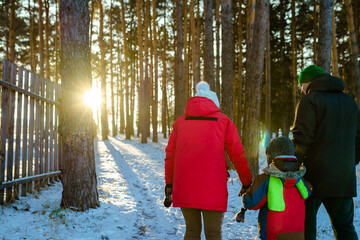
<point x="130" y="183"/>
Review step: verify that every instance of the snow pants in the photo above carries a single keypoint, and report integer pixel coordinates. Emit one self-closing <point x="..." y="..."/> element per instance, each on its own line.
<point x="340" y="211"/>
<point x="212" y="223"/>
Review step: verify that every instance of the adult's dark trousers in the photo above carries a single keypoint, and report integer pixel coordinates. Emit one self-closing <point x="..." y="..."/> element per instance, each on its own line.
<point x="341" y="214"/>
<point x="212" y="223"/>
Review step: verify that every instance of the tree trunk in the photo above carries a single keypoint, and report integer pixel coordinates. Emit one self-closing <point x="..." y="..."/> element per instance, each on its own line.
<point x="113" y="113"/>
<point x="32" y="40"/>
<point x="240" y="70"/>
<point x="334" y="54"/>
<point x="104" y="113"/>
<point x="47" y="40"/>
<point x="76" y="128"/>
<point x="325" y="34"/>
<point x="217" y="88"/>
<point x="284" y="90"/>
<point x="121" y="88"/>
<point x="186" y="52"/>
<point x="209" y="44"/>
<point x="146" y="86"/>
<point x="227" y="59"/>
<point x="353" y="49"/>
<point x="12" y="35"/>
<point x="316" y="30"/>
<point x="141" y="80"/>
<point x="180" y="100"/>
<point x="197" y="39"/>
<point x="155" y="101"/>
<point x="41" y="39"/>
<point x="254" y="69"/>
<point x="127" y="93"/>
<point x="268" y="78"/>
<point x="293" y="55"/>
<point x="193" y="43"/>
<point x="163" y="87"/>
<point x="57" y="47"/>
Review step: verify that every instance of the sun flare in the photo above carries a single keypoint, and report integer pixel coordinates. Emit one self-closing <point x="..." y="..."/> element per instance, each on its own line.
<point x="92" y="98"/>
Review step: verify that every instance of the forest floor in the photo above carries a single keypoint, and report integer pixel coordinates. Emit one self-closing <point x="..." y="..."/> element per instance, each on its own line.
<point x="130" y="184"/>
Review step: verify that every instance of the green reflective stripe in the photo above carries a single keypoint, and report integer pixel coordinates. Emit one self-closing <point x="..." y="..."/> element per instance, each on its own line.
<point x="302" y="189"/>
<point x="275" y="195"/>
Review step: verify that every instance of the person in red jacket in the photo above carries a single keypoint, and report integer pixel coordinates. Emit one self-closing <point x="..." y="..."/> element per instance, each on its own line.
<point x="195" y="164"/>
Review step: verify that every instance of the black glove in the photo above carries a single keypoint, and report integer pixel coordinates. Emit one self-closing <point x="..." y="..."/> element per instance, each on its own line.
<point x="168" y="193"/>
<point x="240" y="216"/>
<point x="243" y="190"/>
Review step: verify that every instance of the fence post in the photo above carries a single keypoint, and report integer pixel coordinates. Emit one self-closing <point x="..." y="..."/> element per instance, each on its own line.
<point x="52" y="165"/>
<point x="25" y="134"/>
<point x="46" y="131"/>
<point x="10" y="128"/>
<point x="37" y="133"/>
<point x="4" y="108"/>
<point x="31" y="134"/>
<point x="18" y="132"/>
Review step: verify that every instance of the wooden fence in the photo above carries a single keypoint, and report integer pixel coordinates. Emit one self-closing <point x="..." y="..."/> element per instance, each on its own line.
<point x="29" y="149"/>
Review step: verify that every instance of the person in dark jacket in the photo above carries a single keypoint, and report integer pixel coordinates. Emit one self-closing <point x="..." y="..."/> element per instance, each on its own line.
<point x="195" y="164"/>
<point x="326" y="134"/>
<point x="280" y="193"/>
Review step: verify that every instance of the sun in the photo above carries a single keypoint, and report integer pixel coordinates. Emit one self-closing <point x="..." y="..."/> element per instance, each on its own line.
<point x="92" y="98"/>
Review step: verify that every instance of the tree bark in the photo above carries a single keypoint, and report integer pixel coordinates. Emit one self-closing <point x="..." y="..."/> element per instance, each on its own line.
<point x="217" y="88"/>
<point x="240" y="70"/>
<point x="41" y="39"/>
<point x="146" y="86"/>
<point x="113" y="113"/>
<point x="227" y="59"/>
<point x="32" y="40"/>
<point x="163" y="87"/>
<point x="180" y="87"/>
<point x="334" y="54"/>
<point x="268" y="77"/>
<point x="254" y="69"/>
<point x="104" y="113"/>
<point x="293" y="55"/>
<point x="353" y="49"/>
<point x="47" y="40"/>
<point x="155" y="100"/>
<point x="76" y="128"/>
<point x="316" y="30"/>
<point x="325" y="34"/>
<point x="127" y="98"/>
<point x="209" y="45"/>
<point x="12" y="34"/>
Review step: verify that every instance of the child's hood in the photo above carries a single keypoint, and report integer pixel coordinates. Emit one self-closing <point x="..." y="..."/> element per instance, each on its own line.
<point x="273" y="171"/>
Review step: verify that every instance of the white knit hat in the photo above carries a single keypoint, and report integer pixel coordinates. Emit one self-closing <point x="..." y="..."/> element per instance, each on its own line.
<point x="203" y="90"/>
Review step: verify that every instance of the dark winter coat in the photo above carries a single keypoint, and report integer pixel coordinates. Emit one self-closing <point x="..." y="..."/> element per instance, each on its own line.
<point x="195" y="157"/>
<point x="272" y="223"/>
<point x="326" y="134"/>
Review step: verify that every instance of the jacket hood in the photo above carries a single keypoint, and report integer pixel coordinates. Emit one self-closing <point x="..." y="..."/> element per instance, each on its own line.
<point x="326" y="83"/>
<point x="273" y="171"/>
<point x="200" y="106"/>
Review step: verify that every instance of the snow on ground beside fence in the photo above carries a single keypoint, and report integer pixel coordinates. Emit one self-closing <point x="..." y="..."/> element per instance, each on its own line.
<point x="130" y="184"/>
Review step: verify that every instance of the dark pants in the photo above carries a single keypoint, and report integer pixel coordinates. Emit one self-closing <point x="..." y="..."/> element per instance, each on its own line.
<point x="212" y="223"/>
<point x="341" y="213"/>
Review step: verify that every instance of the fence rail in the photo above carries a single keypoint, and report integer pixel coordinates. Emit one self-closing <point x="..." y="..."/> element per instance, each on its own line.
<point x="29" y="145"/>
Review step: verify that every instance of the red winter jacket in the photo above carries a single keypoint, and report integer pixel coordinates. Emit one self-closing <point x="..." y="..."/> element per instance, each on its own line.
<point x="195" y="157"/>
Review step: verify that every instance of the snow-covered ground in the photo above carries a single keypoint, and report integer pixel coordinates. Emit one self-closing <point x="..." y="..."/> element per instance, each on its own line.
<point x="130" y="183"/>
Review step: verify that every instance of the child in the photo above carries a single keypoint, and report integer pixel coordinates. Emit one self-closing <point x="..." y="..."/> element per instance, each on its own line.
<point x="279" y="193"/>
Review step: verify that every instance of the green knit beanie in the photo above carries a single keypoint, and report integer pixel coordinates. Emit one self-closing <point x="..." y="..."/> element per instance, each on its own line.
<point x="310" y="73"/>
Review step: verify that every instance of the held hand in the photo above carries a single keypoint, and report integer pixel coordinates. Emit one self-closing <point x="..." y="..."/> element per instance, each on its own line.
<point x="240" y="216"/>
<point x="243" y="190"/>
<point x="168" y="195"/>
